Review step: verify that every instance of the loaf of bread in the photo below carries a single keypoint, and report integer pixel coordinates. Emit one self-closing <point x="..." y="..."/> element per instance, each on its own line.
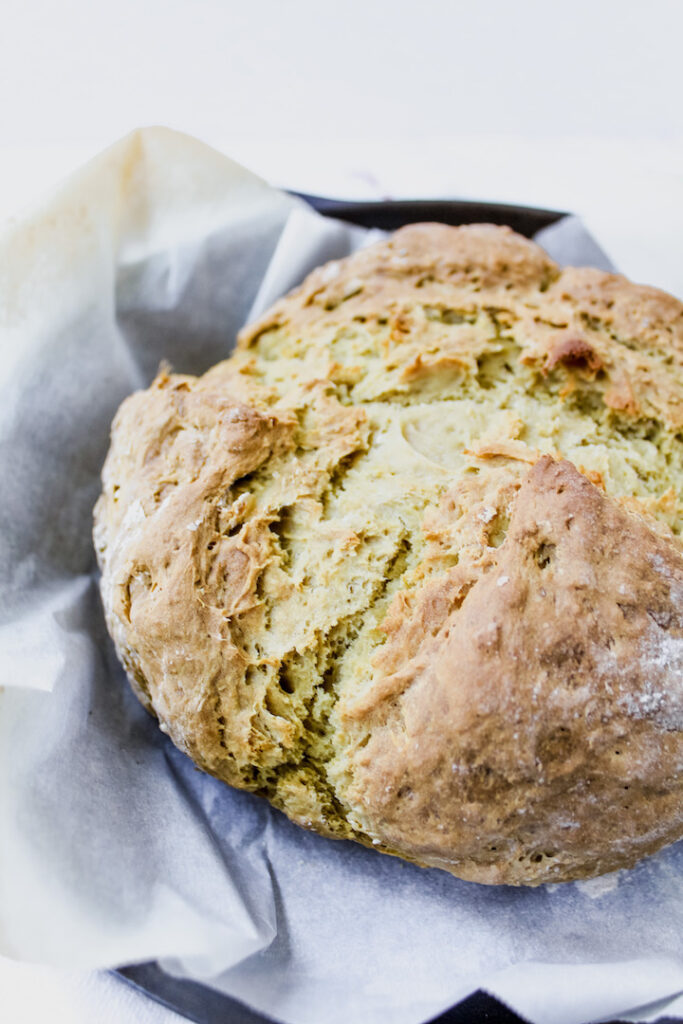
<point x="409" y="563"/>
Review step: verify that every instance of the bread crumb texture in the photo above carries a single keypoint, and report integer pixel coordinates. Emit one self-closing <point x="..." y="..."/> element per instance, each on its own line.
<point x="409" y="563"/>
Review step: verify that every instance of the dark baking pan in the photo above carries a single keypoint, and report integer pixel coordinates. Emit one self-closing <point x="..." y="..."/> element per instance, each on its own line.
<point x="391" y="214"/>
<point x="197" y="1002"/>
<point x="206" y="1006"/>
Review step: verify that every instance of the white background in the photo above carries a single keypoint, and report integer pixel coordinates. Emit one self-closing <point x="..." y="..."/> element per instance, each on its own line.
<point x="572" y="106"/>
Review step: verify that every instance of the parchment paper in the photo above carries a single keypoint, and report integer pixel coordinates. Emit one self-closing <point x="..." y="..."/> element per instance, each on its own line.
<point x="113" y="848"/>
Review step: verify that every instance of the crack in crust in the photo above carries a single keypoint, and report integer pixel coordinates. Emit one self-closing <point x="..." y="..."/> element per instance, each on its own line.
<point x="408" y="564"/>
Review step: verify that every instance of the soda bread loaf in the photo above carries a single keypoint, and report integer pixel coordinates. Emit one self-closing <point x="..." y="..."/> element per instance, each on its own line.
<point x="409" y="563"/>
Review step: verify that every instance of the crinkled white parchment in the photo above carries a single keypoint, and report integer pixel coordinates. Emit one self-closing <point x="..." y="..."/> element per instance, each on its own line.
<point x="113" y="847"/>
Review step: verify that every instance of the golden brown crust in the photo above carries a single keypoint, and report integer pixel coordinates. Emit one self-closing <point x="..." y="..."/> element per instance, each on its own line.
<point x="533" y="731"/>
<point x="633" y="334"/>
<point x="409" y="563"/>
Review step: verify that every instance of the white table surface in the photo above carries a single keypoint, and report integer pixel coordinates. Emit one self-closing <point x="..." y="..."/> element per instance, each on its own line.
<point x="517" y="103"/>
